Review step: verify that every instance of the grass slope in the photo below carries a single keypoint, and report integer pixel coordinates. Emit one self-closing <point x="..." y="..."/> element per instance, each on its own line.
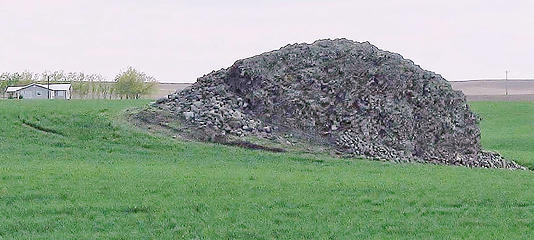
<point x="68" y="169"/>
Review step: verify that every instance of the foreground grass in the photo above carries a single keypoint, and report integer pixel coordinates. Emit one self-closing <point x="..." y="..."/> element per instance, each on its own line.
<point x="70" y="170"/>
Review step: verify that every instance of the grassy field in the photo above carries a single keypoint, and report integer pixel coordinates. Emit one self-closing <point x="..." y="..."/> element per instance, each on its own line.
<point x="508" y="128"/>
<point x="70" y="169"/>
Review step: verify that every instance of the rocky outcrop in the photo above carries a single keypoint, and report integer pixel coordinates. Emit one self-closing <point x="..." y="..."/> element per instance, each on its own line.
<point x="354" y="97"/>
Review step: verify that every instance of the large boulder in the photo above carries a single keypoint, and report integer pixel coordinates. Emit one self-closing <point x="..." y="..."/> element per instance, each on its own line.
<point x="351" y="96"/>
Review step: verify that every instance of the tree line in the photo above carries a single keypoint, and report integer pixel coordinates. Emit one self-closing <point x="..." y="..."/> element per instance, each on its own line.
<point x="128" y="84"/>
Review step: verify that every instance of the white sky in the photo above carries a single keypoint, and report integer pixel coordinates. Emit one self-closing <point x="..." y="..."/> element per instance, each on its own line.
<point x="178" y="41"/>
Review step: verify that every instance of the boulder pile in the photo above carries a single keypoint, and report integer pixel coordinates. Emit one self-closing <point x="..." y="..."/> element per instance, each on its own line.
<point x="351" y="96"/>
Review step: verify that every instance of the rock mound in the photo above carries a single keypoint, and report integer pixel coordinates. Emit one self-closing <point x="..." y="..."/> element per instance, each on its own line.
<point x="350" y="96"/>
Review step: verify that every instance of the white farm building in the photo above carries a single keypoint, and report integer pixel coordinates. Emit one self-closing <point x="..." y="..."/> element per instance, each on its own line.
<point x="40" y="91"/>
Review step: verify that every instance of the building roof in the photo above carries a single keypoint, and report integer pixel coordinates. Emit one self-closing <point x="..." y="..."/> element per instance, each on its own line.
<point x="57" y="87"/>
<point x="13" y="89"/>
<point x="53" y="87"/>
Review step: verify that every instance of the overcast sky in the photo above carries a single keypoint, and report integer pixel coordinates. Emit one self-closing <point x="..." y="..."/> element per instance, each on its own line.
<point x="178" y="41"/>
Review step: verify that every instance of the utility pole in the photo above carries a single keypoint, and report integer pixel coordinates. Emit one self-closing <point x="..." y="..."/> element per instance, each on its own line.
<point x="506" y="83"/>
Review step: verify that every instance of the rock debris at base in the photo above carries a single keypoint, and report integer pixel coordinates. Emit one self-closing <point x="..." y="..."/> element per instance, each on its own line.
<point x="351" y="96"/>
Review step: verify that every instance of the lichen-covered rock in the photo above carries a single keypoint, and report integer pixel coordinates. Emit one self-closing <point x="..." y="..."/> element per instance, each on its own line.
<point x="359" y="99"/>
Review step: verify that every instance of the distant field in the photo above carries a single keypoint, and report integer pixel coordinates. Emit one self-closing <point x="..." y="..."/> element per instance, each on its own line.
<point x="495" y="90"/>
<point x="73" y="169"/>
<point x="495" y="87"/>
<point x="475" y="90"/>
<point x="164" y="89"/>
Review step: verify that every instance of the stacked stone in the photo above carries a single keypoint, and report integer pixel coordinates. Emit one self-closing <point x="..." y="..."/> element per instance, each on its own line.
<point x="210" y="106"/>
<point x="359" y="99"/>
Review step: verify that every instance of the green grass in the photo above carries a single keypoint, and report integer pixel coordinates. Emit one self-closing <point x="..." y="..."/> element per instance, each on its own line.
<point x="508" y="128"/>
<point x="70" y="169"/>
